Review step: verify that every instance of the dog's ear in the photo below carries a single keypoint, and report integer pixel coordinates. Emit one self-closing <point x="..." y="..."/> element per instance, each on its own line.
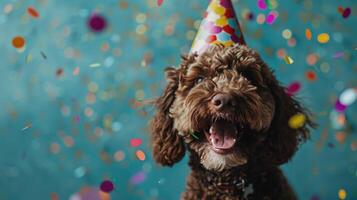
<point x="168" y="146"/>
<point x="283" y="141"/>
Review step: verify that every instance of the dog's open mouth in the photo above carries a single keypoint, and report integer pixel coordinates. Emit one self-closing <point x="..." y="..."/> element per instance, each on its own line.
<point x="223" y="135"/>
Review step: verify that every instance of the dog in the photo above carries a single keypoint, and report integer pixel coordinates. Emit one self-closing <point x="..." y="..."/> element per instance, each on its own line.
<point x="227" y="109"/>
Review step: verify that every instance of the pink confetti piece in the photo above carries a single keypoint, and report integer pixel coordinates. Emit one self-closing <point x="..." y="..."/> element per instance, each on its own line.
<point x="135" y="142"/>
<point x="271" y="17"/>
<point x="159" y="2"/>
<point x="293" y="88"/>
<point x="261" y="4"/>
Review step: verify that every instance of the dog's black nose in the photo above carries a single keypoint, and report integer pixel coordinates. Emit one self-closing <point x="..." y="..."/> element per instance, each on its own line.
<point x="221" y="100"/>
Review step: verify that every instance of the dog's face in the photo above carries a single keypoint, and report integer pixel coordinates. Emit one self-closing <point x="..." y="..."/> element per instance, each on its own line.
<point x="226" y="105"/>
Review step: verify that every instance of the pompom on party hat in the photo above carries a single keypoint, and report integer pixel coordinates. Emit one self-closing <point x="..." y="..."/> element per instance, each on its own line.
<point x="219" y="26"/>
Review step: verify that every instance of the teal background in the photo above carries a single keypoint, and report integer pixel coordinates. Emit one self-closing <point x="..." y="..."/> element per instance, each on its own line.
<point x="38" y="109"/>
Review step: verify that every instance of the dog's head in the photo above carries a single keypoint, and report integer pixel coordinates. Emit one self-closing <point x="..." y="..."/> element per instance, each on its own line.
<point x="227" y="107"/>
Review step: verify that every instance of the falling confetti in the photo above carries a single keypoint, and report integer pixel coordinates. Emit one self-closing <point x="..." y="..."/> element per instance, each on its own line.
<point x="18" y="42"/>
<point x="288" y="60"/>
<point x="271" y="17"/>
<point x="59" y="72"/>
<point x="76" y="71"/>
<point x="193" y="133"/>
<point x="346" y="13"/>
<point x="95" y="65"/>
<point x="33" y="12"/>
<point x="262" y="5"/>
<point x="339" y="107"/>
<point x="348" y="97"/>
<point x="97" y="23"/>
<point x="140" y="155"/>
<point x="107" y="186"/>
<point x="297" y="121"/>
<point x="308" y="34"/>
<point x="138" y="178"/>
<point x="26" y="127"/>
<point x="310" y="75"/>
<point x="43" y="55"/>
<point x="159" y="2"/>
<point x="293" y="88"/>
<point x="342" y="194"/>
<point x="135" y="142"/>
<point x="323" y="38"/>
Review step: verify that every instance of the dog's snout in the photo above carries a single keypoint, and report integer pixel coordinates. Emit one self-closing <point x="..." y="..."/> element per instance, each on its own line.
<point x="221" y="100"/>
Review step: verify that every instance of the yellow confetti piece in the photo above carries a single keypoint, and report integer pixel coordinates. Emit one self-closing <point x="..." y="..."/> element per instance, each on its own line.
<point x="323" y="38"/>
<point x="297" y="121"/>
<point x="342" y="194"/>
<point x="308" y="34"/>
<point x="288" y="60"/>
<point x="140" y="155"/>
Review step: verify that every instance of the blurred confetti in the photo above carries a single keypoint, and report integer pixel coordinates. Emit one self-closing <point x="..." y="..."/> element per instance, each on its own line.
<point x="75" y="76"/>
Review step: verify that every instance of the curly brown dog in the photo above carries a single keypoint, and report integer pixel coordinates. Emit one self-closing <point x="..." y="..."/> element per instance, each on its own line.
<point x="228" y="110"/>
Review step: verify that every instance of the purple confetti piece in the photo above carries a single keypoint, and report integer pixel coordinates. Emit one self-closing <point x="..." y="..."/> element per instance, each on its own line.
<point x="138" y="178"/>
<point x="339" y="107"/>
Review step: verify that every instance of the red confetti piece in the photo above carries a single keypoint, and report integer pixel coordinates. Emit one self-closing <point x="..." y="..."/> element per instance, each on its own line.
<point x="135" y="142"/>
<point x="18" y="42"/>
<point x="340" y="9"/>
<point x="33" y="12"/>
<point x="159" y="2"/>
<point x="346" y="13"/>
<point x="311" y="76"/>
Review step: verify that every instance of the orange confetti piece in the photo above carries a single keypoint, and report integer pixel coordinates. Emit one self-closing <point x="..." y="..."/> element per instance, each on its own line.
<point x="140" y="155"/>
<point x="340" y="9"/>
<point x="18" y="42"/>
<point x="308" y="34"/>
<point x="33" y="12"/>
<point x="310" y="75"/>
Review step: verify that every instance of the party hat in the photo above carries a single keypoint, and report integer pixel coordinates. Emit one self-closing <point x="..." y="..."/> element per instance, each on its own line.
<point x="219" y="26"/>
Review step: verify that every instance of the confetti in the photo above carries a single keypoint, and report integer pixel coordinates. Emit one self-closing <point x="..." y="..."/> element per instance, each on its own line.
<point x="297" y="121"/>
<point x="138" y="178"/>
<point x="140" y="155"/>
<point x="293" y="88"/>
<point x="262" y="5"/>
<point x="271" y="17"/>
<point x="323" y="38"/>
<point x="339" y="107"/>
<point x="26" y="127"/>
<point x="159" y="2"/>
<point x="310" y="75"/>
<point x="33" y="12"/>
<point x="288" y="60"/>
<point x="18" y="42"/>
<point x="346" y="13"/>
<point x="308" y="34"/>
<point x="76" y="71"/>
<point x="43" y="55"/>
<point x="193" y="133"/>
<point x="135" y="142"/>
<point x="338" y="54"/>
<point x="107" y="186"/>
<point x="95" y="65"/>
<point x="342" y="194"/>
<point x="59" y="72"/>
<point x="348" y="97"/>
<point x="97" y="23"/>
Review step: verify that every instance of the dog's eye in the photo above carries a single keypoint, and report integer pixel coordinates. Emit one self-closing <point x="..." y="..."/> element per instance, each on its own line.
<point x="199" y="80"/>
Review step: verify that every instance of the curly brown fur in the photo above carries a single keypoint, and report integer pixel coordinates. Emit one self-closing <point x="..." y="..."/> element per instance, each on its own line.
<point x="244" y="138"/>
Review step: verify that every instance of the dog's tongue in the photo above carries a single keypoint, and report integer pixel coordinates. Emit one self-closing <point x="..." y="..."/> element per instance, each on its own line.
<point x="222" y="135"/>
